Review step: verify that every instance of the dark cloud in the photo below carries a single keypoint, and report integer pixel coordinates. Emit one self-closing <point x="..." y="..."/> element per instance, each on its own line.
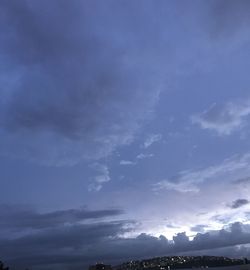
<point x="85" y="244"/>
<point x="234" y="235"/>
<point x="61" y="245"/>
<point x="18" y="218"/>
<point x="181" y="240"/>
<point x="230" y="16"/>
<point x="71" y="71"/>
<point x="80" y="78"/>
<point x="74" y="244"/>
<point x="239" y="203"/>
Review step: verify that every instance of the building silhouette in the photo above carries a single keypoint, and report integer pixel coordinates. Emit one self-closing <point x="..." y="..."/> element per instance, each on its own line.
<point x="100" y="266"/>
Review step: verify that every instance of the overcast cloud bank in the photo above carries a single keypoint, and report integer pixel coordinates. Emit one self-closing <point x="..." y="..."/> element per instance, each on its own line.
<point x="64" y="239"/>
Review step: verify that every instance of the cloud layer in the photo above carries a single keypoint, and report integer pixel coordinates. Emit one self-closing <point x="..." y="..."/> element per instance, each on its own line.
<point x="231" y="169"/>
<point x="75" y="244"/>
<point x="71" y="72"/>
<point x="17" y="218"/>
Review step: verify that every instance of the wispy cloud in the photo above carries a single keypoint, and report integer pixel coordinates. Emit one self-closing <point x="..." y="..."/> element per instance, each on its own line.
<point x="102" y="177"/>
<point x="224" y="120"/>
<point x="139" y="157"/>
<point x="153" y="138"/>
<point x="190" y="180"/>
<point x="143" y="156"/>
<point x="179" y="186"/>
<point x="127" y="162"/>
<point x="242" y="181"/>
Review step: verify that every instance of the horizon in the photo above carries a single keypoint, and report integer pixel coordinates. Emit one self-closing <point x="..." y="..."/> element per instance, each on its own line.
<point x="124" y="130"/>
<point x="180" y="262"/>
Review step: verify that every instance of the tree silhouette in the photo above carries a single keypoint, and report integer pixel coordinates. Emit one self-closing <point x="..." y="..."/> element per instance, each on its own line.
<point x="2" y="267"/>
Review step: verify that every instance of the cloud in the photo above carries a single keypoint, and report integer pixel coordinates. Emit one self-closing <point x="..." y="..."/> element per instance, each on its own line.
<point x="138" y="157"/>
<point x="190" y="180"/>
<point x="239" y="203"/>
<point x="153" y="138"/>
<point x="143" y="156"/>
<point x="17" y="218"/>
<point x="127" y="162"/>
<point x="230" y="17"/>
<point x="237" y="233"/>
<point x="75" y="245"/>
<point x="102" y="177"/>
<point x="224" y="120"/>
<point x="61" y="245"/>
<point x="74" y="86"/>
<point x="247" y="215"/>
<point x="241" y="181"/>
<point x="224" y="218"/>
<point x="189" y="186"/>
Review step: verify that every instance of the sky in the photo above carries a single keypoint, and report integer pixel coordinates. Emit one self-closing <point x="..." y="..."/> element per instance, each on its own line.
<point x="124" y="130"/>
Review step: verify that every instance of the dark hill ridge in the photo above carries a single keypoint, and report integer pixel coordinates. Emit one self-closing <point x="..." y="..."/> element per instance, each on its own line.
<point x="180" y="262"/>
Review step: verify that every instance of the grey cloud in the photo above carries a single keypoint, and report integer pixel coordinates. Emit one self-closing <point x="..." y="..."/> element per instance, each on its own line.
<point x="239" y="203"/>
<point x="18" y="218"/>
<point x="70" y="74"/>
<point x="103" y="247"/>
<point x="181" y="240"/>
<point x="61" y="245"/>
<point x="234" y="235"/>
<point x="230" y="17"/>
<point x="74" y="245"/>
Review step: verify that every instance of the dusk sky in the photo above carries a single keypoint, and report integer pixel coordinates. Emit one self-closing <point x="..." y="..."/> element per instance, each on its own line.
<point x="124" y="130"/>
